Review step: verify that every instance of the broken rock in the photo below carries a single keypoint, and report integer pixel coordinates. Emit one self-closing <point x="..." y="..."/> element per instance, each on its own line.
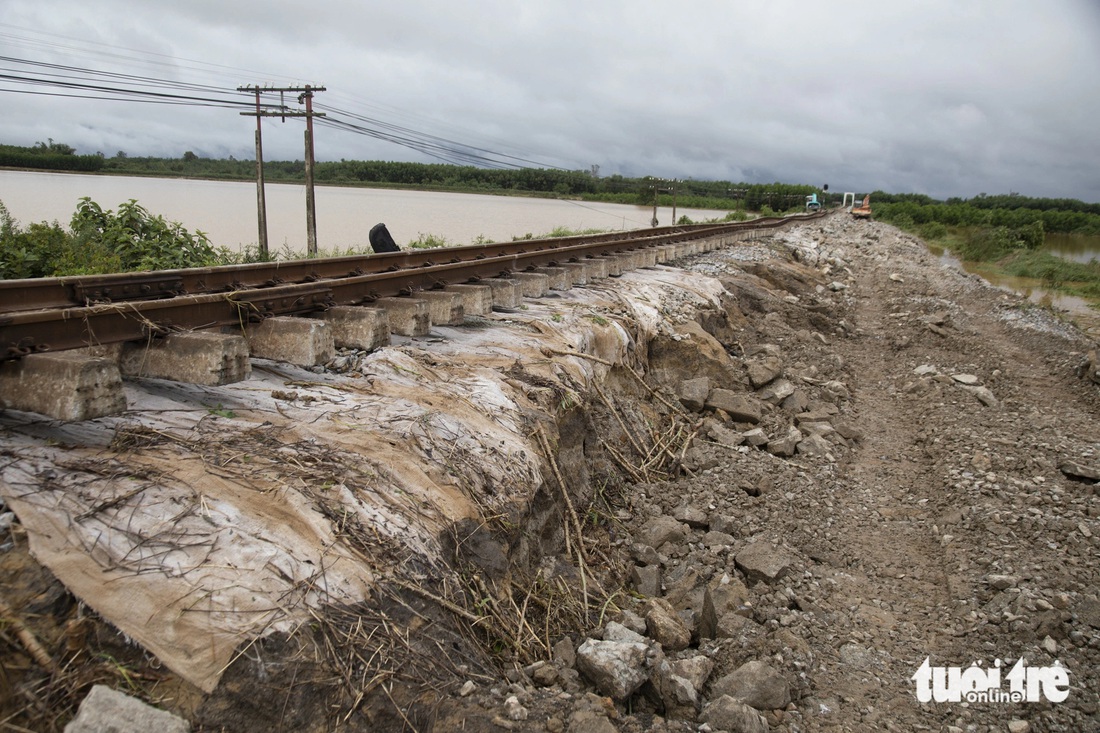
<point x="695" y="670"/>
<point x="660" y="530"/>
<point x="813" y="445"/>
<point x="105" y="709"/>
<point x="763" y="561"/>
<point x="616" y="668"/>
<point x="756" y="684"/>
<point x="763" y="370"/>
<point x="665" y="627"/>
<point x="678" y="695"/>
<point x="786" y="445"/>
<point x="693" y="393"/>
<point x="692" y="516"/>
<point x="740" y="407"/>
<point x="729" y="714"/>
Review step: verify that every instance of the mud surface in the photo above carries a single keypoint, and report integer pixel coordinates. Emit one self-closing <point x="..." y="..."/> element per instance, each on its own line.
<point x="886" y="461"/>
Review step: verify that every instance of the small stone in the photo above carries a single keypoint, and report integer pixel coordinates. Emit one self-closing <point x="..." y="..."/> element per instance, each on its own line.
<point x="724" y="436"/>
<point x="968" y="379"/>
<point x="983" y="394"/>
<point x="1050" y="646"/>
<point x="813" y="445"/>
<point x="777" y="391"/>
<point x="467" y="688"/>
<point x="632" y="621"/>
<point x="514" y="710"/>
<point x="837" y="389"/>
<point x="717" y="539"/>
<point x="796" y="403"/>
<point x="755" y="437"/>
<point x="848" y="430"/>
<point x="677" y="694"/>
<point x="644" y="554"/>
<point x="646" y="579"/>
<point x="1019" y="726"/>
<point x="1080" y="471"/>
<point x="981" y="462"/>
<point x="692" y="516"/>
<point x="660" y="530"/>
<point x="1002" y="582"/>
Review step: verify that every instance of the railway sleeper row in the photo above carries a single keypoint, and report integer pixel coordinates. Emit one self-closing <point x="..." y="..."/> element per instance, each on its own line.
<point x="86" y="383"/>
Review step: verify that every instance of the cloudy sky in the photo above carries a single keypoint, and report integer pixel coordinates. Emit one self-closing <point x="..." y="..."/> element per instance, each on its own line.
<point x="944" y="97"/>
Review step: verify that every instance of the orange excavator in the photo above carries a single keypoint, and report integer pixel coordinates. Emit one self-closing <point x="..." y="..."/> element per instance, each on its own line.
<point x="864" y="211"/>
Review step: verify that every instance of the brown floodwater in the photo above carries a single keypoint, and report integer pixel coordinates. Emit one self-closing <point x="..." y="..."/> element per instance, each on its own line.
<point x="1082" y="311"/>
<point x="226" y="210"/>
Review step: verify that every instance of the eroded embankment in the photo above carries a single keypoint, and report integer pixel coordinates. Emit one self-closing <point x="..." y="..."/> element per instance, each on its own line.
<point x="756" y="492"/>
<point x="437" y="481"/>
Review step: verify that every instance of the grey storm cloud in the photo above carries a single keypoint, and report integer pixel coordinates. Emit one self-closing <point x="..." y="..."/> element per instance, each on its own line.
<point x="945" y="98"/>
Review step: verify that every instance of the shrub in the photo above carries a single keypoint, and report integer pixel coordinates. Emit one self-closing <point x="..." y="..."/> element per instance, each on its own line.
<point x="932" y="230"/>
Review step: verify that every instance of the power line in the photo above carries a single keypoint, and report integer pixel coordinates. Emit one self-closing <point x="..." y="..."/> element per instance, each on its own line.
<point x="87" y="83"/>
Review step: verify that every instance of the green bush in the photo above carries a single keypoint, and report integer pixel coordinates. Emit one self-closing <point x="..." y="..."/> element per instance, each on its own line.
<point x="985" y="244"/>
<point x="932" y="230"/>
<point x="140" y="240"/>
<point x="100" y="241"/>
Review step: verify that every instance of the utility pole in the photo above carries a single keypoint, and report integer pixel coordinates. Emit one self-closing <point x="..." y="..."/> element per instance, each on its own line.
<point x="306" y="94"/>
<point x="311" y="204"/>
<point x="261" y="201"/>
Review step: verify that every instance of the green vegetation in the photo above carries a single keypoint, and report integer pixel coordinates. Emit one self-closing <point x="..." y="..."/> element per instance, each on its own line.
<point x="48" y="156"/>
<point x="100" y="241"/>
<point x="1013" y="211"/>
<point x="1004" y="232"/>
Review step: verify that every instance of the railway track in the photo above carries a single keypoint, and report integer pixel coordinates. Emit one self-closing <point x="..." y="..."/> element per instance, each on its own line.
<point x="56" y="314"/>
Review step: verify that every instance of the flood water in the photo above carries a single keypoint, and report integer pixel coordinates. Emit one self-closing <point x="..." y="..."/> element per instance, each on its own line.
<point x="1077" y="247"/>
<point x="226" y="210"/>
<point x="1081" y="310"/>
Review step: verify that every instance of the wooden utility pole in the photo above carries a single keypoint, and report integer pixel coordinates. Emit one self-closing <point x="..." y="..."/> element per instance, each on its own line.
<point x="311" y="204"/>
<point x="673" y="188"/>
<point x="306" y="94"/>
<point x="261" y="200"/>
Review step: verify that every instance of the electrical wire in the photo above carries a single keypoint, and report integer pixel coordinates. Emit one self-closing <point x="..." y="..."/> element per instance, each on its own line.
<point x="83" y="82"/>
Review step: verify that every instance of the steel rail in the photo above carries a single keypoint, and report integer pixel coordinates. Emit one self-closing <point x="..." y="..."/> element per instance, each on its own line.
<point x="23" y="332"/>
<point x="86" y="290"/>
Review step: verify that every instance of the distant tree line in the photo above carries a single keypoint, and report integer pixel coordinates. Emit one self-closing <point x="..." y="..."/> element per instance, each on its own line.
<point x="1014" y="211"/>
<point x="527" y="181"/>
<point x="48" y="156"/>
